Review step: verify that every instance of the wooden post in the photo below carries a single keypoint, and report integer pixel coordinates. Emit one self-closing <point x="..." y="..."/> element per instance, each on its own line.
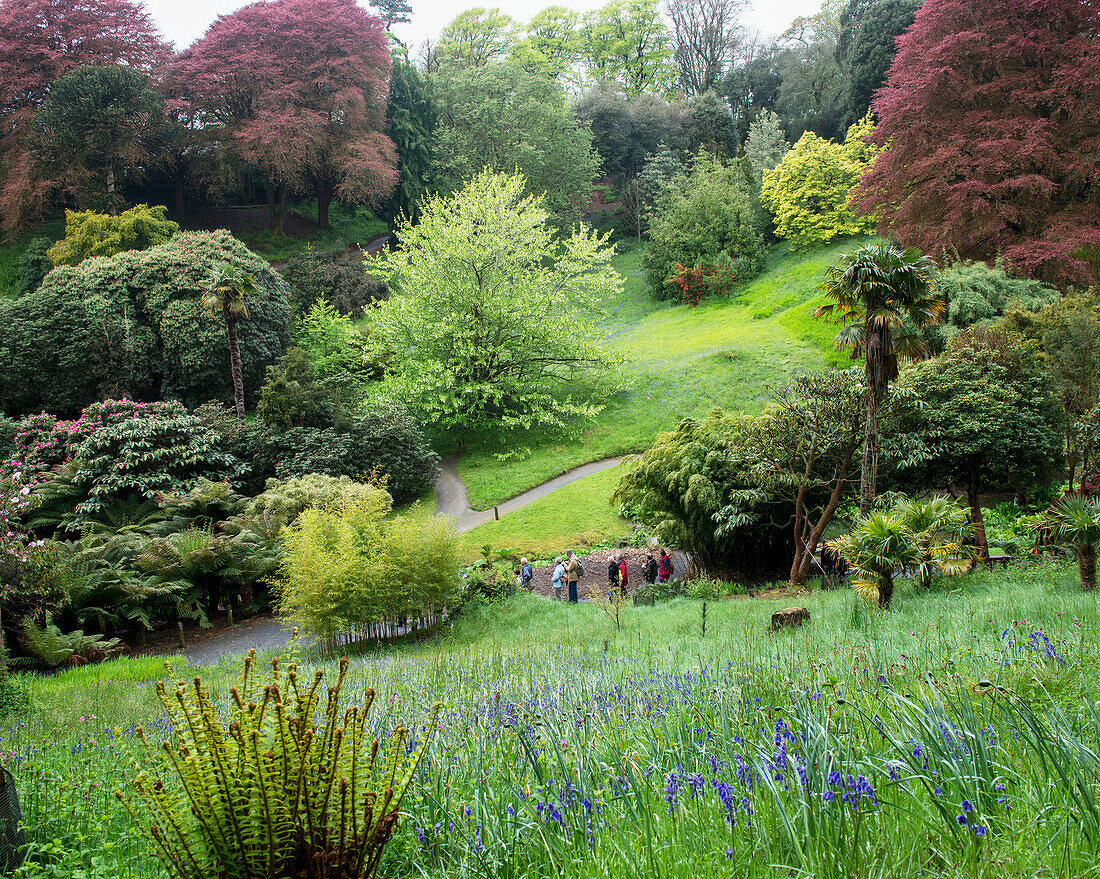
<point x="496" y="513"/>
<point x="179" y="635"/>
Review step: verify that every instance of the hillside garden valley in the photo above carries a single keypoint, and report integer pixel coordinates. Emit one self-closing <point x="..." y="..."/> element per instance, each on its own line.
<point x="608" y="443"/>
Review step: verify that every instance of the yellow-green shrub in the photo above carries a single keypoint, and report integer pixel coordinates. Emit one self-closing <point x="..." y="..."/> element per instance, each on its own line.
<point x="352" y="569"/>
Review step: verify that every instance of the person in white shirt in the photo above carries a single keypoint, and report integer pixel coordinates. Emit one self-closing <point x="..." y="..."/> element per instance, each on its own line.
<point x="557" y="577"/>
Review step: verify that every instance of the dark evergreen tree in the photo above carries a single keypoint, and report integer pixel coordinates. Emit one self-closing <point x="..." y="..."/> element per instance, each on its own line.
<point x="410" y="123"/>
<point x="866" y="48"/>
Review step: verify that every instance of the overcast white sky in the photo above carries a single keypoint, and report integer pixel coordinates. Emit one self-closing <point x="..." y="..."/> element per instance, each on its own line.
<point x="183" y="21"/>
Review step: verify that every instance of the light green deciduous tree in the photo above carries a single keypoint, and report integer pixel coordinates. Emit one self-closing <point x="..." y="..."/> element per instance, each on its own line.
<point x="490" y="320"/>
<point x="808" y="193"/>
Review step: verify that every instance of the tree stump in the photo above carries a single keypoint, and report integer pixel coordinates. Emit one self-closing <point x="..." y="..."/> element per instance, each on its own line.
<point x="790" y="617"/>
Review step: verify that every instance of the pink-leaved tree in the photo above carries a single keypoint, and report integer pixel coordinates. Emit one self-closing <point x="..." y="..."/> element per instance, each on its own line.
<point x="41" y="41"/>
<point x="991" y="116"/>
<point x="299" y="89"/>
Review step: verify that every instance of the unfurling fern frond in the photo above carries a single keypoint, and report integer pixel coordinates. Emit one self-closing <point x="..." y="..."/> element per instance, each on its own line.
<point x="279" y="790"/>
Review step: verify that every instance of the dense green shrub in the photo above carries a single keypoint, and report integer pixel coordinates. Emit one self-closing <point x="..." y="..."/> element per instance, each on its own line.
<point x="335" y="276"/>
<point x="990" y="411"/>
<point x="975" y="292"/>
<point x="34" y="265"/>
<point x="132" y="325"/>
<point x="329" y="340"/>
<point x="289" y="498"/>
<point x="386" y="443"/>
<point x="119" y="449"/>
<point x="683" y="484"/>
<point x="293" y="397"/>
<point x="707" y="224"/>
<point x="88" y="233"/>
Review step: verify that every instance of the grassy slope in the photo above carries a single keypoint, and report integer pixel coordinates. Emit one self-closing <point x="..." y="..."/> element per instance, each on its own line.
<point x="70" y="757"/>
<point x="680" y="362"/>
<point x="578" y="516"/>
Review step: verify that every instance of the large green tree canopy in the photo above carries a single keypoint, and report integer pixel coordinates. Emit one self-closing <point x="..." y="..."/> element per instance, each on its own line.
<point x="490" y="318"/>
<point x="133" y="325"/>
<point x="501" y="117"/>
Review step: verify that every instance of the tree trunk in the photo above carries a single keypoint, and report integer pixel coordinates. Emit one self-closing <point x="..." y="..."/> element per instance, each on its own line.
<point x="112" y="207"/>
<point x="800" y="549"/>
<point x="1086" y="566"/>
<point x="277" y="206"/>
<point x="885" y="592"/>
<point x="235" y="363"/>
<point x="324" y="199"/>
<point x="976" y="516"/>
<point x="869" y="462"/>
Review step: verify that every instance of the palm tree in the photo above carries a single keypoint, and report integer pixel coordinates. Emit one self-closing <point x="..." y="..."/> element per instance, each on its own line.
<point x="883" y="295"/>
<point x="938" y="527"/>
<point x="875" y="550"/>
<point x="228" y="289"/>
<point x="1074" y="521"/>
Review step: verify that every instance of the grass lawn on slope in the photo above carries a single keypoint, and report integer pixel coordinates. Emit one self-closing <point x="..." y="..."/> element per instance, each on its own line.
<point x="577" y="516"/>
<point x="680" y="362"/>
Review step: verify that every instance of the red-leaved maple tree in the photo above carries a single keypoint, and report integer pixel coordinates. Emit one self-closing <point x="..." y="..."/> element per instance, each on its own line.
<point x="991" y="112"/>
<point x="40" y="41"/>
<point x="298" y="88"/>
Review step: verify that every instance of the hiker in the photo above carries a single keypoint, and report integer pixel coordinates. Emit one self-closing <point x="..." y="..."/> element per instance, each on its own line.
<point x="573" y="573"/>
<point x="526" y="575"/>
<point x="664" y="570"/>
<point x="612" y="575"/>
<point x="650" y="570"/>
<point x="622" y="576"/>
<point x="556" y="578"/>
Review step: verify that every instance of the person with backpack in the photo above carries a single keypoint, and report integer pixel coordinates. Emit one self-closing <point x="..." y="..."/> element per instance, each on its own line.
<point x="650" y="570"/>
<point x="556" y="577"/>
<point x="574" y="570"/>
<point x="664" y="570"/>
<point x="526" y="574"/>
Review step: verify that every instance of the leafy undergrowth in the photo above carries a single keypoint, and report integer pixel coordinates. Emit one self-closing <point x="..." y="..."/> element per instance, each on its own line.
<point x="680" y="362"/>
<point x="953" y="735"/>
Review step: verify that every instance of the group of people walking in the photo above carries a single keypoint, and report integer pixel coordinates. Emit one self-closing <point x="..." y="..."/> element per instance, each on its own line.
<point x="568" y="572"/>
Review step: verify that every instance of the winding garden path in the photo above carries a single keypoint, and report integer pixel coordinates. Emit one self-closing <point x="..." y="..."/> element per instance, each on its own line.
<point x="453" y="501"/>
<point x="271" y="633"/>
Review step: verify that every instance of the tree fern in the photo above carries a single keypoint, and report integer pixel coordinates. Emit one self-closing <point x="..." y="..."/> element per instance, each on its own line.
<point x="280" y="790"/>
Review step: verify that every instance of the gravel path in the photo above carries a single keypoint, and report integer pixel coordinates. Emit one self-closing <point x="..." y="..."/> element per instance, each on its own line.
<point x="267" y="632"/>
<point x="452" y="499"/>
<point x="209" y="646"/>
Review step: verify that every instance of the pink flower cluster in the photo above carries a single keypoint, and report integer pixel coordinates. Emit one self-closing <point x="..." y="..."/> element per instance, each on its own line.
<point x="43" y="443"/>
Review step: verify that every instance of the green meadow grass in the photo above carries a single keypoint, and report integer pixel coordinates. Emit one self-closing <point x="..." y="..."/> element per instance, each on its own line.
<point x="576" y="516"/>
<point x="678" y="363"/>
<point x="973" y="698"/>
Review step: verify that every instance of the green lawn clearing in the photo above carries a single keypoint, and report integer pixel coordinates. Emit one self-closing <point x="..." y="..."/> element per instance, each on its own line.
<point x="577" y="516"/>
<point x="679" y="362"/>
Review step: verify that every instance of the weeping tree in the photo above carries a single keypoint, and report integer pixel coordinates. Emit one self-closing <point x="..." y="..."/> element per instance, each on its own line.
<point x="883" y="296"/>
<point x="228" y="289"/>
